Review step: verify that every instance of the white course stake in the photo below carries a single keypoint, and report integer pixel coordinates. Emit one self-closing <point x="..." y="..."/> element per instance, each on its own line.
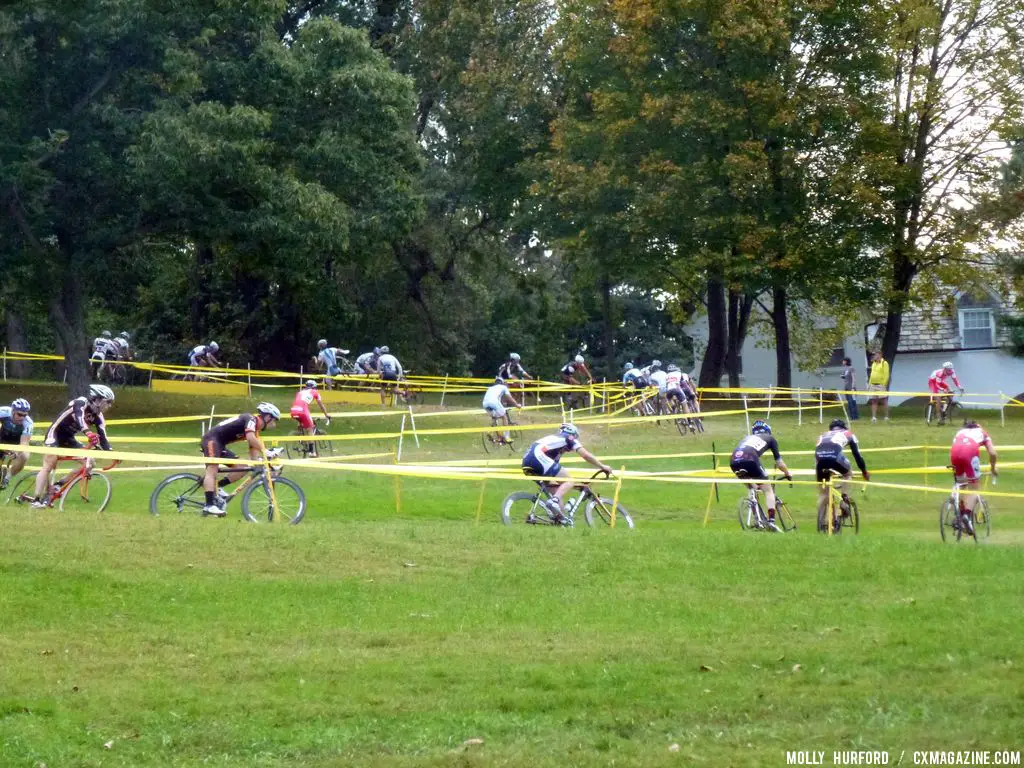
<point x="412" y="420"/>
<point x="401" y="435"/>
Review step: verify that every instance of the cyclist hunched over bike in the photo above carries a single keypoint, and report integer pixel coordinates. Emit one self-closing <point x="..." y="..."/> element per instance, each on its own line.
<point x="246" y="427"/>
<point x="746" y="464"/>
<point x="829" y="458"/>
<point x="15" y="429"/>
<point x="938" y="385"/>
<point x="965" y="458"/>
<point x="542" y="460"/>
<point x="304" y="398"/>
<point x="496" y="398"/>
<point x="81" y="415"/>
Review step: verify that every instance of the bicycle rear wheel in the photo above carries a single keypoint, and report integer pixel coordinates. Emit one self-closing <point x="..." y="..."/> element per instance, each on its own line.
<point x="524" y="507"/>
<point x="176" y="494"/>
<point x="982" y="520"/>
<point x="949" y="521"/>
<point x="749" y="513"/>
<point x="257" y="506"/>
<point x="851" y="520"/>
<point x="323" y="447"/>
<point x="599" y="512"/>
<point x="86" y="493"/>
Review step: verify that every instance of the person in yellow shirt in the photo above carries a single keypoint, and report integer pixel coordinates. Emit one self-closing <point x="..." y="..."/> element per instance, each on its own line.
<point x="878" y="381"/>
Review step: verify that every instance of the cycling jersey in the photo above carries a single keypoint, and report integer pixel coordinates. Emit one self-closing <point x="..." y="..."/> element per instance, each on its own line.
<point x="390" y="368"/>
<point x="541" y="458"/>
<point x="659" y="379"/>
<point x="828" y="453"/>
<point x="103" y="348"/>
<point x="746" y="456"/>
<point x="367" y="362"/>
<point x="512" y="370"/>
<point x="228" y="431"/>
<point x="964" y="455"/>
<point x="200" y="354"/>
<point x="635" y="378"/>
<point x="938" y="381"/>
<point x="11" y="432"/>
<point x="328" y="358"/>
<point x="568" y="371"/>
<point x="494" y="399"/>
<point x="300" y="406"/>
<point x="77" y="416"/>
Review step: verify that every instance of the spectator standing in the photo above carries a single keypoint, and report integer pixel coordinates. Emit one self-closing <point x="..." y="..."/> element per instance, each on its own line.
<point x="878" y="381"/>
<point x="849" y="386"/>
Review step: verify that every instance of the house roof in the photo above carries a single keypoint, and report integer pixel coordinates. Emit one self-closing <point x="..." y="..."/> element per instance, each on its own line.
<point x="938" y="329"/>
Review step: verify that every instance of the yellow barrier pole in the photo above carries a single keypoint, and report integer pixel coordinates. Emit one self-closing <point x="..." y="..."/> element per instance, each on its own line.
<point x="831" y="505"/>
<point x="615" y="499"/>
<point x="269" y="476"/>
<point x="480" y="501"/>
<point x="707" y="510"/>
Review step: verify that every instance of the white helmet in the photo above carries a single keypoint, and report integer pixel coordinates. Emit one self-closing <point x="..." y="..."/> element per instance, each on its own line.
<point x="214" y="346"/>
<point x="101" y="392"/>
<point x="21" y="404"/>
<point x="269" y="409"/>
<point x="384" y="350"/>
<point x="947" y="365"/>
<point x="322" y="343"/>
<point x="106" y="334"/>
<point x="579" y="359"/>
<point x="656" y="364"/>
<point x="124" y="335"/>
<point x="310" y="384"/>
<point x="514" y="356"/>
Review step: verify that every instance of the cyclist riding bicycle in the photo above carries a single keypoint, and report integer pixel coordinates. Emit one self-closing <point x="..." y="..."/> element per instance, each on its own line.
<point x="123" y="341"/>
<point x="15" y="429"/>
<point x="83" y="414"/>
<point x="104" y="349"/>
<point x="632" y="377"/>
<point x="746" y="464"/>
<point x="659" y="379"/>
<point x="541" y="460"/>
<point x="674" y="385"/>
<point x="495" y="399"/>
<point x="938" y="384"/>
<point x="327" y="359"/>
<point x="214" y="446"/>
<point x="965" y="458"/>
<point x="367" y="362"/>
<point x="829" y="458"/>
<point x="300" y="412"/>
<point x="576" y="372"/>
<point x="512" y="370"/>
<point x="204" y="356"/>
<point x="390" y="371"/>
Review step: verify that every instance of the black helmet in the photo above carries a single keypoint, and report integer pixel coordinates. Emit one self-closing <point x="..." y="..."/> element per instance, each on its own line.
<point x="837" y="424"/>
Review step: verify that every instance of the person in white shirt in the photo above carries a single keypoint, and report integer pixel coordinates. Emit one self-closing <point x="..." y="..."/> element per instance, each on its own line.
<point x="495" y="399"/>
<point x="542" y="460"/>
<point x="659" y="379"/>
<point x="390" y="371"/>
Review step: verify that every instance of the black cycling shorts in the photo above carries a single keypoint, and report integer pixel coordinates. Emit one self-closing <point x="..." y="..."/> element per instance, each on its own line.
<point x="826" y="464"/>
<point x="748" y="469"/>
<point x="214" y="449"/>
<point x="389" y="375"/>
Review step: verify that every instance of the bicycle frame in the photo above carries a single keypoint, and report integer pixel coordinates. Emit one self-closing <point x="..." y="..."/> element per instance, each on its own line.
<point x="60" y="488"/>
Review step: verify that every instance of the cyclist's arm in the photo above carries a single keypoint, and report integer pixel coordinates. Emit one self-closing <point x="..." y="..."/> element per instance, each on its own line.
<point x="773" y="446"/>
<point x="101" y="432"/>
<point x="592" y="459"/>
<point x="324" y="410"/>
<point x="859" y="459"/>
<point x="256" y="449"/>
<point x="992" y="455"/>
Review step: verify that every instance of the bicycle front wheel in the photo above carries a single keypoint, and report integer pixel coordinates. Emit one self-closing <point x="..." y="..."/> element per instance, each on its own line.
<point x="784" y="516"/>
<point x="258" y="507"/>
<point x="523" y="507"/>
<point x="599" y="512"/>
<point x="176" y="494"/>
<point x="949" y="521"/>
<point x="982" y="520"/>
<point x="749" y="513"/>
<point x="487" y="438"/>
<point x="851" y="521"/>
<point x="86" y="493"/>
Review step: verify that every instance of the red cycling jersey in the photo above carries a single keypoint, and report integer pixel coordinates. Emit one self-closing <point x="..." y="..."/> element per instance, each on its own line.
<point x="937" y="382"/>
<point x="964" y="455"/>
<point x="300" y="406"/>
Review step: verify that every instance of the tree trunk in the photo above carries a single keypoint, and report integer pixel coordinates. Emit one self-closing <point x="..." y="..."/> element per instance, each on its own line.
<point x="902" y="277"/>
<point x="16" y="342"/>
<point x="739" y="320"/>
<point x="67" y="313"/>
<point x="608" y="328"/>
<point x="783" y="357"/>
<point x="200" y="300"/>
<point x="714" y="356"/>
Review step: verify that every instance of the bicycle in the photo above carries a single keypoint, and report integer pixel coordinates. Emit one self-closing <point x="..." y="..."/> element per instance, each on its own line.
<point x="753" y="516"/>
<point x="685" y="421"/>
<point x="86" y="488"/>
<point x="6" y="458"/>
<point x="844" y="510"/>
<point x="947" y="405"/>
<point x="301" y="448"/>
<point x="952" y="523"/>
<point x="494" y="441"/>
<point x="532" y="508"/>
<point x="184" y="490"/>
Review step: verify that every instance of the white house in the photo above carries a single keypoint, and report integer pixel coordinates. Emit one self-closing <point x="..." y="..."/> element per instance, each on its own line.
<point x="964" y="330"/>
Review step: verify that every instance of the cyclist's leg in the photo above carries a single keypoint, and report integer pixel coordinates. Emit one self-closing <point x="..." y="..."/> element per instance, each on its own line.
<point x="43" y="477"/>
<point x="18" y="461"/>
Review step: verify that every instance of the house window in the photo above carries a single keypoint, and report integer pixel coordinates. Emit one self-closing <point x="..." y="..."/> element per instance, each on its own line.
<point x="836" y="359"/>
<point x="977" y="328"/>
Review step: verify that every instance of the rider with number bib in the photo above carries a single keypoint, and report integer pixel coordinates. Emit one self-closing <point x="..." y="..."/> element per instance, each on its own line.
<point x="542" y="460"/>
<point x="746" y="464"/>
<point x="214" y="446"/>
<point x="83" y="414"/>
<point x="938" y="385"/>
<point x="300" y="412"/>
<point x="829" y="459"/>
<point x="965" y="458"/>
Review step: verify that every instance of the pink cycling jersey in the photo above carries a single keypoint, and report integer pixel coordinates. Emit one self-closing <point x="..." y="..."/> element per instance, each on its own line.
<point x="938" y="381"/>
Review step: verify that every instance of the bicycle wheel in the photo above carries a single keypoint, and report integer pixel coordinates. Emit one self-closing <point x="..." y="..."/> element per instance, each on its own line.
<point x="982" y="520"/>
<point x="682" y="425"/>
<point x="928" y="414"/>
<point x="86" y="493"/>
<point x="699" y="424"/>
<point x="487" y="439"/>
<point x="599" y="511"/>
<point x="514" y="435"/>
<point x="523" y="507"/>
<point x="749" y="513"/>
<point x="291" y="502"/>
<point x="26" y="484"/>
<point x="323" y="447"/>
<point x="784" y="516"/>
<point x="178" y="493"/>
<point x="851" y="521"/>
<point x="949" y="521"/>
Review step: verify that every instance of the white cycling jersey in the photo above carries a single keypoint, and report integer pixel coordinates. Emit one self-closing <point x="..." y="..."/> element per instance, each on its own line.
<point x="660" y="380"/>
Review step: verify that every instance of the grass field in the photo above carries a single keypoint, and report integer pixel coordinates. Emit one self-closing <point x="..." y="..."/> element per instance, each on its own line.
<point x="370" y="636"/>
